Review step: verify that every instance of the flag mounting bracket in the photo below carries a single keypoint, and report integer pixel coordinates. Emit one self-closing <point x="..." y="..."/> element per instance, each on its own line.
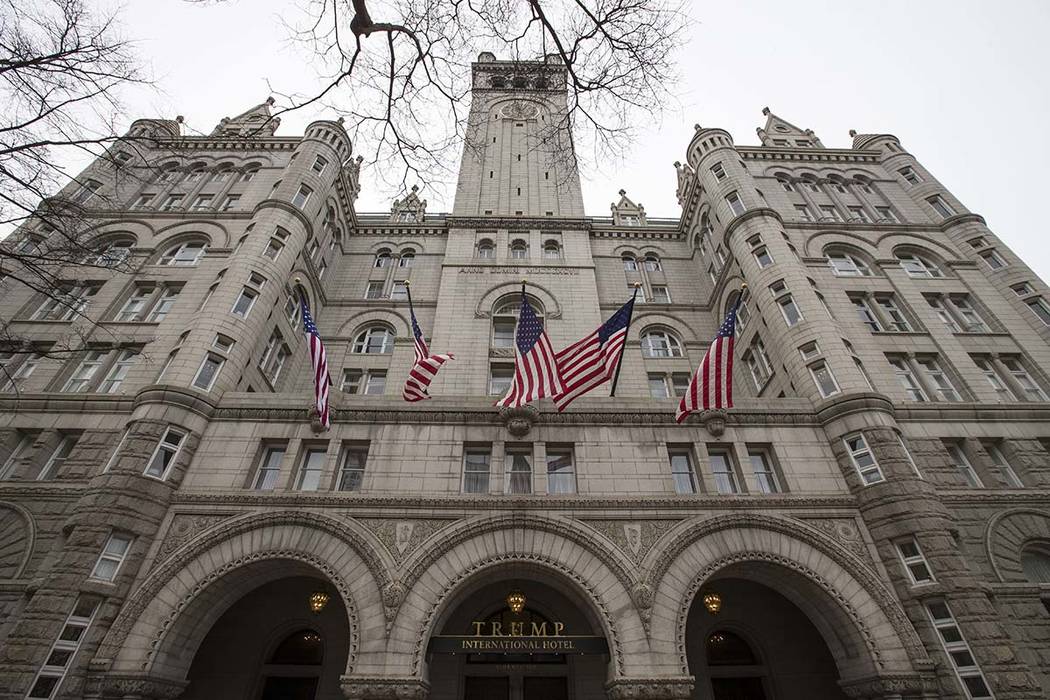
<point x="713" y="420"/>
<point x="519" y="419"/>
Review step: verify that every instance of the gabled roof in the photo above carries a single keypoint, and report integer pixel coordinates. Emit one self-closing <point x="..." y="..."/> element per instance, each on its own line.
<point x="253" y="123"/>
<point x="779" y="128"/>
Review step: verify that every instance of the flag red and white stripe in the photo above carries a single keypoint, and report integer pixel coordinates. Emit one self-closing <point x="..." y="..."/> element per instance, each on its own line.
<point x="536" y="372"/>
<point x="712" y="384"/>
<point x="425" y="368"/>
<point x="592" y="361"/>
<point x="319" y="360"/>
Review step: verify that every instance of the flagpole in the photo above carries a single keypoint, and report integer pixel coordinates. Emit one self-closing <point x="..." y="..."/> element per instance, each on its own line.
<point x="623" y="348"/>
<point x="408" y="292"/>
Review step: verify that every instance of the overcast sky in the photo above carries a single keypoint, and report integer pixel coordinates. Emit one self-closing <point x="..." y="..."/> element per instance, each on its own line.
<point x="961" y="82"/>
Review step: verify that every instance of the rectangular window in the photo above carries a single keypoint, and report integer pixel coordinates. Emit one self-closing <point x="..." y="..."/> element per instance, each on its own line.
<point x="722" y="470"/>
<point x="269" y="468"/>
<point x="500" y="378"/>
<point x="25" y="441"/>
<point x="809" y="351"/>
<point x="682" y="471"/>
<point x="897" y="321"/>
<point x="804" y="213"/>
<point x="143" y="201"/>
<point x="955" y="646"/>
<point x="994" y="379"/>
<point x="399" y="292"/>
<point x="58" y="457"/>
<point x="735" y="203"/>
<point x="245" y="301"/>
<point x="111" y="557"/>
<point x="83" y="378"/>
<point x="993" y="260"/>
<point x="1001" y="466"/>
<point x="67" y="303"/>
<point x="788" y="308"/>
<point x="169" y="294"/>
<point x="203" y="202"/>
<point x="273" y="249"/>
<point x="858" y="214"/>
<point x="208" y="372"/>
<point x="561" y="471"/>
<point x="302" y="196"/>
<point x="962" y="464"/>
<point x="680" y="383"/>
<point x="886" y="214"/>
<point x="940" y="206"/>
<point x="971" y="320"/>
<point x="863" y="460"/>
<point x="172" y="203"/>
<point x="762" y="256"/>
<point x="909" y="174"/>
<point x="352" y="467"/>
<point x="230" y="202"/>
<point x="135" y="305"/>
<point x="718" y="171"/>
<point x="1040" y="308"/>
<point x="658" y="386"/>
<point x="476" y="462"/>
<point x="518" y="470"/>
<point x="351" y="381"/>
<point x="823" y="378"/>
<point x="829" y="213"/>
<point x="935" y="302"/>
<point x="374" y="290"/>
<point x="64" y="649"/>
<point x="312" y="468"/>
<point x="938" y="379"/>
<point x="914" y="562"/>
<point x="119" y="371"/>
<point x="762" y="467"/>
<point x="907" y="379"/>
<point x="1032" y="390"/>
<point x="374" y="382"/>
<point x="164" y="455"/>
<point x="661" y="295"/>
<point x="865" y="314"/>
<point x="319" y="165"/>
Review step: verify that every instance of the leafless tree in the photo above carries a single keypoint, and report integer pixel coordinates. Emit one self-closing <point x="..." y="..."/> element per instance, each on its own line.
<point x="400" y="71"/>
<point x="62" y="70"/>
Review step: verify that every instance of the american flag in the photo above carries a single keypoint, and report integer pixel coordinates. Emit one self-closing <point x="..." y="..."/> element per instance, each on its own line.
<point x="592" y="361"/>
<point x="425" y="368"/>
<point x="322" y="379"/>
<point x="712" y="385"/>
<point x="535" y="368"/>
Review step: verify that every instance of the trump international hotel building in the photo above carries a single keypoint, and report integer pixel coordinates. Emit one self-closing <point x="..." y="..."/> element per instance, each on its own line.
<point x="872" y="519"/>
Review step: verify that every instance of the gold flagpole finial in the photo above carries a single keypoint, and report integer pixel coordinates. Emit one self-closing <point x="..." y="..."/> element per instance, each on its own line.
<point x="637" y="285"/>
<point x="408" y="283"/>
<point x="743" y="285"/>
<point x="298" y="280"/>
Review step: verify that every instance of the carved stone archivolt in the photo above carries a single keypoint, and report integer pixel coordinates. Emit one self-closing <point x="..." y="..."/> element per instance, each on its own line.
<point x="383" y="688"/>
<point x="650" y="688"/>
<point x="892" y="686"/>
<point x="845" y="532"/>
<point x="1008" y="532"/>
<point x="184" y="527"/>
<point x="138" y="686"/>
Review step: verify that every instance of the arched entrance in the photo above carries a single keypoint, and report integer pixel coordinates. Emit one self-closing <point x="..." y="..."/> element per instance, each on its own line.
<point x="287" y="639"/>
<point x="757" y="646"/>
<point x="517" y="634"/>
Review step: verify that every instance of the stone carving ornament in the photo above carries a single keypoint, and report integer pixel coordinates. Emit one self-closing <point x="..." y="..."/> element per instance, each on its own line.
<point x="520" y="109"/>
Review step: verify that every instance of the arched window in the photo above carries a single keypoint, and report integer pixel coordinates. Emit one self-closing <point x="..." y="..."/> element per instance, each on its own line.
<point x="375" y="340"/>
<point x="249" y="172"/>
<point x="382" y="258"/>
<point x="863" y="183"/>
<point x="167" y="172"/>
<point x="486" y="249"/>
<point x="519" y="250"/>
<point x="186" y="254"/>
<point x="918" y="266"/>
<point x="505" y="314"/>
<point x="223" y="173"/>
<point x="785" y="182"/>
<point x="196" y="172"/>
<point x="839" y="184"/>
<point x="652" y="263"/>
<point x="301" y="648"/>
<point x="407" y="259"/>
<point x="657" y="342"/>
<point x="112" y="252"/>
<point x="725" y="648"/>
<point x="1035" y="562"/>
<point x="847" y="264"/>
<point x="629" y="263"/>
<point x="811" y="183"/>
<point x="551" y="250"/>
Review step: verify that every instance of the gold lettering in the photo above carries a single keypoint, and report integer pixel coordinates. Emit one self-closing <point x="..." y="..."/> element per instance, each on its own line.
<point x="497" y="629"/>
<point x="517" y="629"/>
<point x="477" y="628"/>
<point x="558" y="627"/>
<point x="539" y="630"/>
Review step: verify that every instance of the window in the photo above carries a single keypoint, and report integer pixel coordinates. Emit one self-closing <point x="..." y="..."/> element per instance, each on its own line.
<point x="407" y="258"/>
<point x="374" y="290"/>
<point x="994" y="379"/>
<point x="938" y="379"/>
<point x="518" y="470"/>
<point x="374" y="382"/>
<point x="897" y="321"/>
<point x="914" y="562"/>
<point x="943" y="314"/>
<point x="382" y="259"/>
<point x="993" y="260"/>
<point x="971" y="320"/>
<point x="500" y="378"/>
<point x="561" y="473"/>
<point x="319" y="165"/>
<point x="735" y="203"/>
<point x="312" y="468"/>
<point x="629" y="263"/>
<point x="203" y="202"/>
<point x="682" y="471"/>
<point x="940" y="206"/>
<point x="245" y="301"/>
<point x="184" y="255"/>
<point x="886" y="214"/>
<point x="247" y="175"/>
<point x="809" y="351"/>
<point x="1035" y="563"/>
<point x="959" y="460"/>
<point x="790" y="311"/>
<point x="1023" y="289"/>
<point x="519" y="250"/>
<point x="25" y="441"/>
<point x="762" y="467"/>
<point x="661" y="295"/>
<point x="82" y="378"/>
<point x="58" y="457"/>
<point x="269" y="468"/>
<point x="302" y="196"/>
<point x="652" y="263"/>
<point x="476" y="469"/>
<point x="918" y="267"/>
<point x="352" y="467"/>
<point x="144" y="201"/>
<point x="1040" y="308"/>
<point x="1001" y="466"/>
<point x="758" y="364"/>
<point x="113" y="253"/>
<point x="64" y="649"/>
<point x="399" y="292"/>
<point x="804" y="213"/>
<point x="660" y="343"/>
<point x="208" y="372"/>
<point x="88" y="190"/>
<point x="173" y="202"/>
<point x="718" y="171"/>
<point x="66" y="303"/>
<point x="119" y="371"/>
<point x="863" y="460"/>
<point x="858" y="214"/>
<point x="909" y="174"/>
<point x="1030" y="388"/>
<point x="846" y="265"/>
<point x="958" y="650"/>
<point x="111" y="557"/>
<point x="274" y="357"/>
<point x="658" y="388"/>
<point x="829" y="213"/>
<point x="230" y="202"/>
<point x="486" y="250"/>
<point x="273" y="249"/>
<point x="785" y="183"/>
<point x="722" y="470"/>
<point x="164" y="455"/>
<point x="136" y="303"/>
<point x="907" y="379"/>
<point x="163" y="304"/>
<point x="823" y="378"/>
<point x="377" y="340"/>
<point x="762" y="256"/>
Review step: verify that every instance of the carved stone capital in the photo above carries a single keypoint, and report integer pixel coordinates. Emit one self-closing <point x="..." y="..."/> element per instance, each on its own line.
<point x="714" y="421"/>
<point x="379" y="688"/>
<point x="891" y="686"/>
<point x="133" y="686"/>
<point x="675" y="688"/>
<point x="520" y="419"/>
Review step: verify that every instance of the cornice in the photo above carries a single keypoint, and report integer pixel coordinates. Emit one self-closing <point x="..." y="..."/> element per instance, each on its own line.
<point x="739" y="221"/>
<point x="38" y="490"/>
<point x="213" y="143"/>
<point x="191" y="400"/>
<point x="519" y="223"/>
<point x="828" y="155"/>
<point x="977" y="497"/>
<point x="972" y="412"/>
<point x="65" y="403"/>
<point x="852" y="403"/>
<point x="959" y="219"/>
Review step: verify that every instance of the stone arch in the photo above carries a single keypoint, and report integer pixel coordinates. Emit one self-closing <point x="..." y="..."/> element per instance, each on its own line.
<point x="1007" y="534"/>
<point x="552" y="308"/>
<point x="890" y="242"/>
<point x="17" y="539"/>
<point x="577" y="559"/>
<point x="163" y="622"/>
<point x="815" y="244"/>
<point x="218" y="236"/>
<point x="654" y="319"/>
<point x="358" y="321"/>
<point x="858" y="616"/>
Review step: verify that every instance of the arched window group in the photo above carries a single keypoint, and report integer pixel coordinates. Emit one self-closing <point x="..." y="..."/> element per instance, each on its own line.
<point x="486" y="249"/>
<point x="660" y="343"/>
<point x="847" y="264"/>
<point x="919" y="266"/>
<point x="519" y="249"/>
<point x="185" y="254"/>
<point x="551" y="250"/>
<point x="377" y="339"/>
<point x="505" y="314"/>
<point x="1035" y="562"/>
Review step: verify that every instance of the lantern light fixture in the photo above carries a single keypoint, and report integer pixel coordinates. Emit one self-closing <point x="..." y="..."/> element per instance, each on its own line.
<point x="713" y="602"/>
<point x="318" y="599"/>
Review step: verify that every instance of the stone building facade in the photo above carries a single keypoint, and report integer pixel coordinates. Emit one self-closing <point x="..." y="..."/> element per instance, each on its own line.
<point x="872" y="519"/>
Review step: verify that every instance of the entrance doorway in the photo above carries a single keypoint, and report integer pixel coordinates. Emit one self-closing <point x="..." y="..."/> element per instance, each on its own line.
<point x="515" y="687"/>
